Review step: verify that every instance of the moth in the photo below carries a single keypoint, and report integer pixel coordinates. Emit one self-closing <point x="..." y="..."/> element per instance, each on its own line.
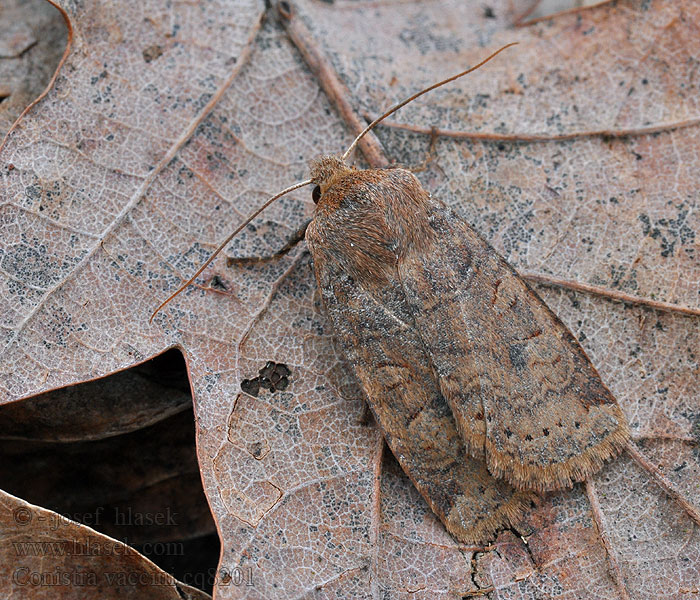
<point x="483" y="395"/>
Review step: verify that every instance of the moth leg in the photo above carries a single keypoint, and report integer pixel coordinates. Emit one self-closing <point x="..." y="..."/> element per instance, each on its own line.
<point x="430" y="156"/>
<point x="291" y="243"/>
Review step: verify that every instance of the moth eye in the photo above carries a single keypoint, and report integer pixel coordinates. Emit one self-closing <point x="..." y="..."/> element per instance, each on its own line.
<point x="316" y="194"/>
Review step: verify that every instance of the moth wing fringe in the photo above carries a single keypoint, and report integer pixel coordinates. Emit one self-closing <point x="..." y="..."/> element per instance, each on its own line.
<point x="557" y="476"/>
<point x="509" y="514"/>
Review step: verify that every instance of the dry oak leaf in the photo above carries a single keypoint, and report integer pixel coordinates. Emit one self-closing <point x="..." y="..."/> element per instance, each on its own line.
<point x="32" y="40"/>
<point x="125" y="402"/>
<point x="44" y="555"/>
<point x="131" y="474"/>
<point x="575" y="155"/>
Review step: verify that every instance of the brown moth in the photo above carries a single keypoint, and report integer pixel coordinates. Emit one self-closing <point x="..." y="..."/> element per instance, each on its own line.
<point x="481" y="392"/>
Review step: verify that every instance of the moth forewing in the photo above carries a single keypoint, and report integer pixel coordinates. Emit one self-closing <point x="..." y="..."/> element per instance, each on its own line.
<point x="431" y="317"/>
<point x="354" y="243"/>
<point x="522" y="390"/>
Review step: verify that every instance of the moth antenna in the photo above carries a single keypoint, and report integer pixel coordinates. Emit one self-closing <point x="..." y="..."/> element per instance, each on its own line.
<point x="396" y="107"/>
<point x="223" y="244"/>
<point x="291" y="188"/>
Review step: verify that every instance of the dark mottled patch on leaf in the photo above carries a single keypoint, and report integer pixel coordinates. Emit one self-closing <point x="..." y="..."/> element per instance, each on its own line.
<point x="273" y="376"/>
<point x="251" y="386"/>
<point x="152" y="53"/>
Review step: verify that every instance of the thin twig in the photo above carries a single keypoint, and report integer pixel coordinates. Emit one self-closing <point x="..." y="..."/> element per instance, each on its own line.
<point x="662" y="481"/>
<point x="608" y="293"/>
<point x="520" y="137"/>
<point x="331" y="84"/>
<point x="598" y="520"/>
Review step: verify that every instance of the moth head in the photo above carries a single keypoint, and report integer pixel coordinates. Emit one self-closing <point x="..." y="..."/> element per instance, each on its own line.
<point x="324" y="171"/>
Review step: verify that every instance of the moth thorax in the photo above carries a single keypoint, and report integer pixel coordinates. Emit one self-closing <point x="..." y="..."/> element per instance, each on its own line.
<point x="327" y="168"/>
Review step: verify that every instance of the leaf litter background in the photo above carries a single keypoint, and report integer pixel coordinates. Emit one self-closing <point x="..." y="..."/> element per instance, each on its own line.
<point x="121" y="179"/>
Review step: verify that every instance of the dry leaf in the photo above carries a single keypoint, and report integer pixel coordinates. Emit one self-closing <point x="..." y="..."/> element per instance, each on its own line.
<point x="47" y="556"/>
<point x="122" y="181"/>
<point x="32" y="41"/>
<point x="125" y="402"/>
<point x="135" y="474"/>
